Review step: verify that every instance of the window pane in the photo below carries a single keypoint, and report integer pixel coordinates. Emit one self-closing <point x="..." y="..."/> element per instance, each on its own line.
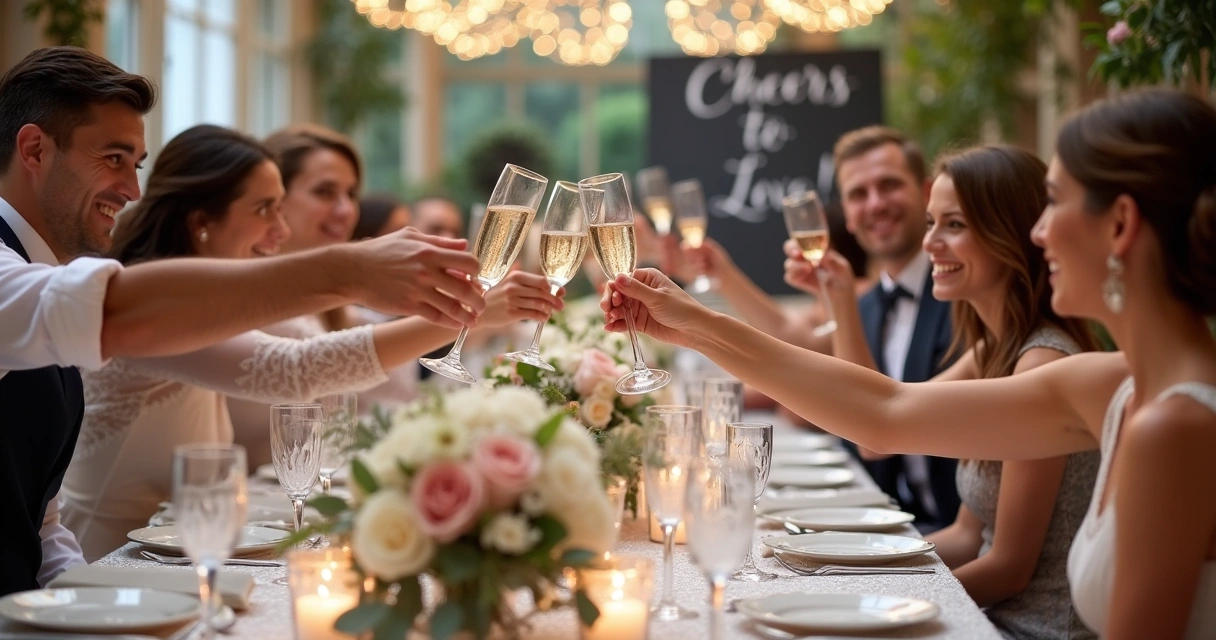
<point x="268" y="93"/>
<point x="382" y="161"/>
<point x="219" y="98"/>
<point x="181" y="76"/>
<point x="221" y="12"/>
<point x="273" y="19"/>
<point x="554" y="107"/>
<point x="186" y="6"/>
<point x="122" y="33"/>
<point x="620" y="115"/>
<point x="470" y="108"/>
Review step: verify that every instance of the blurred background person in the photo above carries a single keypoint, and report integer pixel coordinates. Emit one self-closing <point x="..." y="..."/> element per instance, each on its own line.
<point x="380" y="214"/>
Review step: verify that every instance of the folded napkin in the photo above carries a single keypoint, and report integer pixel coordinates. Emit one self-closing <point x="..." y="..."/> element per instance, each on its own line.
<point x="235" y="588"/>
<point x="820" y="498"/>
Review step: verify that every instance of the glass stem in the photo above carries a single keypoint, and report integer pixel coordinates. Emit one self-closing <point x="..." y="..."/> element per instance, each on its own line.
<point x="297" y="505"/>
<point x="454" y="354"/>
<point x="326" y="483"/>
<point x="638" y="363"/>
<point x="208" y="570"/>
<point x="827" y="299"/>
<point x="717" y="601"/>
<point x="536" y="337"/>
<point x="669" y="541"/>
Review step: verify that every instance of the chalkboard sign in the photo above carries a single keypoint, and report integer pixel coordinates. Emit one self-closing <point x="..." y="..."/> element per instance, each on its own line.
<point x="754" y="130"/>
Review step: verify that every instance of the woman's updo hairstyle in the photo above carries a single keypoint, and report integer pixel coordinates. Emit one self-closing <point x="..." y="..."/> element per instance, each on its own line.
<point x="1159" y="147"/>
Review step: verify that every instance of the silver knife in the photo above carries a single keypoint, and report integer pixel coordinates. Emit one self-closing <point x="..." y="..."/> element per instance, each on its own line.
<point x="65" y="635"/>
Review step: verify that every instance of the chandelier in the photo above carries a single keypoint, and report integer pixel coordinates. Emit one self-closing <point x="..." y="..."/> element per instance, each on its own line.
<point x="827" y="15"/>
<point x="577" y="32"/>
<point x="714" y="27"/>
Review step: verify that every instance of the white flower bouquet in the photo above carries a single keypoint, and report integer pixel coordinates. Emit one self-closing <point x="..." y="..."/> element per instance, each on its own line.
<point x="488" y="490"/>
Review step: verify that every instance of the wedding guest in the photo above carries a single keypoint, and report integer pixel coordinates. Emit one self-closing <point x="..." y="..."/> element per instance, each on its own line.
<point x="71" y="139"/>
<point x="1127" y="233"/>
<point x="982" y="206"/>
<point x="215" y="192"/>
<point x="380" y="214"/>
<point x="438" y="216"/>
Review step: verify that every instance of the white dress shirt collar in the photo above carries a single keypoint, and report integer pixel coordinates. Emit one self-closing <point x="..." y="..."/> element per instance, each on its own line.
<point x="911" y="277"/>
<point x="37" y="248"/>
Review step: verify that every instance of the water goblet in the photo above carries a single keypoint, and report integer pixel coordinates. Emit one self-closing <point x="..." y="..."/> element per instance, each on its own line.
<point x="295" y="450"/>
<point x="721" y="404"/>
<point x="720" y="521"/>
<point x="752" y="441"/>
<point x="672" y="441"/>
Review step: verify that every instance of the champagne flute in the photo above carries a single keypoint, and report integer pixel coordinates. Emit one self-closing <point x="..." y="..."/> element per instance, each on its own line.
<point x="721" y="404"/>
<point x="720" y="522"/>
<point x="692" y="221"/>
<point x="752" y="442"/>
<point x="656" y="197"/>
<point x="211" y="501"/>
<point x="808" y="226"/>
<point x="610" y="216"/>
<point x="563" y="243"/>
<point x="295" y="450"/>
<point x="672" y="442"/>
<point x="340" y="411"/>
<point x="499" y="240"/>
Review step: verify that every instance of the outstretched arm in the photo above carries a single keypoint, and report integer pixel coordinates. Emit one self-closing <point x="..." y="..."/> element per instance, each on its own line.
<point x="1046" y="412"/>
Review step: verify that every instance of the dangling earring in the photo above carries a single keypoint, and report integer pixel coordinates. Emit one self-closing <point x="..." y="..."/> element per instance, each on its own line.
<point x="202" y="235"/>
<point x="1112" y="289"/>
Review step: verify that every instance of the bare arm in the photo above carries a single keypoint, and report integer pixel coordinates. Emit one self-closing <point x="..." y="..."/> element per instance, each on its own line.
<point x="960" y="542"/>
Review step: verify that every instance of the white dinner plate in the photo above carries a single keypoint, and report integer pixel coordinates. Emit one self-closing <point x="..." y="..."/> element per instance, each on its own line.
<point x="849" y="548"/>
<point x="813" y="458"/>
<point x="812" y="477"/>
<point x="99" y="609"/>
<point x="169" y="539"/>
<point x="843" y="518"/>
<point x="849" y="612"/>
<point x="804" y="441"/>
<point x="267" y="472"/>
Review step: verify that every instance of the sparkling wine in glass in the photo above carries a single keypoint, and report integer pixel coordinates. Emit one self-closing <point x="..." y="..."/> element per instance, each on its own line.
<point x="672" y="441"/>
<point x="720" y="522"/>
<point x="563" y="243"/>
<point x="499" y="241"/>
<point x="656" y="197"/>
<point x="808" y="226"/>
<point x="610" y="218"/>
<point x="752" y="442"/>
<point x="210" y="498"/>
<point x="692" y="220"/>
<point x="341" y="415"/>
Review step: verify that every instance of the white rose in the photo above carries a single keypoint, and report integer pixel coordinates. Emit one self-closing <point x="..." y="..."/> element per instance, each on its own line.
<point x="574" y="436"/>
<point x="569" y="361"/>
<point x="440" y="439"/>
<point x="632" y="400"/>
<point x="387" y="541"/>
<point x="509" y="534"/>
<point x="566" y="480"/>
<point x="596" y="412"/>
<point x="605" y="389"/>
<point x="590" y="525"/>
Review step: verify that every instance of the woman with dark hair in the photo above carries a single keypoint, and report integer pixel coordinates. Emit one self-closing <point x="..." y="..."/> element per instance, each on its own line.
<point x="982" y="206"/>
<point x="213" y="192"/>
<point x="380" y="214"/>
<point x="1128" y="233"/>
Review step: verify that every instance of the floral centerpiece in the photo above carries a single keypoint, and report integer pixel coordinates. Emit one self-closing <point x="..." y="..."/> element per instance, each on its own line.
<point x="588" y="360"/>
<point x="487" y="491"/>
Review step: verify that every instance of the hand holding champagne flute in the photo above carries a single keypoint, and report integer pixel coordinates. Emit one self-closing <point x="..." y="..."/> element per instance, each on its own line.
<point x="808" y="226"/>
<point x="563" y="243"/>
<point x="656" y="197"/>
<point x="609" y="214"/>
<point x="508" y="218"/>
<point x="692" y="220"/>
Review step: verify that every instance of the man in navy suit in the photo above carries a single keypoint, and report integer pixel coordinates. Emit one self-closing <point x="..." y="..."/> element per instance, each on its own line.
<point x="882" y="180"/>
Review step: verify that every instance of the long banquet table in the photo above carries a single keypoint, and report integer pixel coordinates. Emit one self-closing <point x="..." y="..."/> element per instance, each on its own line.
<point x="269" y="617"/>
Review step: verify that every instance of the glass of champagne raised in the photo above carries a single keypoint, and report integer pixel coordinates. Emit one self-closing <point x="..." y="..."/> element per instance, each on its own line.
<point x="692" y="220"/>
<point x="563" y="243"/>
<point x="499" y="240"/>
<point x="808" y="226"/>
<point x="656" y="197"/>
<point x="609" y="213"/>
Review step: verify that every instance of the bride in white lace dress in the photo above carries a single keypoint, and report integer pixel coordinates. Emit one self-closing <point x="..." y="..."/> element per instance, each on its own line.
<point x="215" y="192"/>
<point x="1129" y="234"/>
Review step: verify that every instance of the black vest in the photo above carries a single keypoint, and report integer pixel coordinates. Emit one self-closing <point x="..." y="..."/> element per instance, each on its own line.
<point x="40" y="412"/>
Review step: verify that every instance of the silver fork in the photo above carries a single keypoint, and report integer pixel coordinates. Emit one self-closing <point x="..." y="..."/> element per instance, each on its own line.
<point x="181" y="560"/>
<point x="840" y="570"/>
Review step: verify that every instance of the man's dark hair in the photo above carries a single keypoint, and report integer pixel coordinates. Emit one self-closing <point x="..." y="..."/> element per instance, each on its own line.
<point x="55" y="89"/>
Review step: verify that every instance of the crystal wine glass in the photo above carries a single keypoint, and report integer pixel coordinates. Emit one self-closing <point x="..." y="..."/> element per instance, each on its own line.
<point x="340" y="411"/>
<point x="210" y="498"/>
<point x="752" y="441"/>
<point x="499" y="240"/>
<point x="692" y="220"/>
<point x="656" y="197"/>
<point x="563" y="243"/>
<point x="720" y="522"/>
<point x="672" y="441"/>
<point x="721" y="404"/>
<point x="610" y="216"/>
<point x="808" y="226"/>
<point x="295" y="449"/>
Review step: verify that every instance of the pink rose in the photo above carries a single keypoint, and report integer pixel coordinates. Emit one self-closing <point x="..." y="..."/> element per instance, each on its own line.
<point x="1118" y="33"/>
<point x="448" y="496"/>
<point x="508" y="466"/>
<point x="596" y="366"/>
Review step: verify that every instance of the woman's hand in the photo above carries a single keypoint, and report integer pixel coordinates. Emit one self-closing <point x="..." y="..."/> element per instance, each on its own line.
<point x="660" y="308"/>
<point x="520" y="296"/>
<point x="709" y="258"/>
<point x="799" y="274"/>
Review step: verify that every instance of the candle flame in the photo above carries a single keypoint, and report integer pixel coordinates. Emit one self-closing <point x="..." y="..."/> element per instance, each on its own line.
<point x="323" y="591"/>
<point x="327" y="575"/>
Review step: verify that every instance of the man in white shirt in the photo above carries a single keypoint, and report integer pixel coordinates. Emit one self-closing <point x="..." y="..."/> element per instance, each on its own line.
<point x="71" y="137"/>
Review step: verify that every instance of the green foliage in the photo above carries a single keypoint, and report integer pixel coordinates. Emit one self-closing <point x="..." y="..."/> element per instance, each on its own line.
<point x="549" y="429"/>
<point x="515" y="143"/>
<point x="1167" y="42"/>
<point x="67" y="21"/>
<point x="348" y="58"/>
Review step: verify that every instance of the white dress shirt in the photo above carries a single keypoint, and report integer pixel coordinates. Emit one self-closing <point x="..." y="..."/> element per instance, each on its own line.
<point x="50" y="315"/>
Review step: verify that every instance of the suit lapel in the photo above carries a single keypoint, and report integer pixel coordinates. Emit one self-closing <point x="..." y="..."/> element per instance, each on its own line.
<point x="929" y="318"/>
<point x="871" y="320"/>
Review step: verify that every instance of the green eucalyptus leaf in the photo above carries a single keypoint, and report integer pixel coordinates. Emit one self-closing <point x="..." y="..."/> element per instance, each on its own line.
<point x="447" y="620"/>
<point x="362" y="618"/>
<point x="588" y="613"/>
<point x="328" y="506"/>
<point x="577" y="557"/>
<point x="458" y="562"/>
<point x="363" y="477"/>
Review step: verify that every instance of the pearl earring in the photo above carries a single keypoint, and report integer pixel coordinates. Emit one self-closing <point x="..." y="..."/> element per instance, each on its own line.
<point x="202" y="235"/>
<point x="1112" y="289"/>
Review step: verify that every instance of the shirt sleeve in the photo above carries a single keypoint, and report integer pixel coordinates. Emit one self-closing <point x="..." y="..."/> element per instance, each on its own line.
<point x="52" y="315"/>
<point x="60" y="551"/>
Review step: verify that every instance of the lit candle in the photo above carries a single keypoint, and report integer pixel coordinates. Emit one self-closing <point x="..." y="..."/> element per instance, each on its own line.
<point x="623" y="619"/>
<point x="316" y="614"/>
<point x="324" y="586"/>
<point x="656" y="531"/>
<point x="620" y="588"/>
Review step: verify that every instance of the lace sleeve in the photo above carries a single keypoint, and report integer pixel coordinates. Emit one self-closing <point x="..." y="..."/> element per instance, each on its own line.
<point x="266" y="368"/>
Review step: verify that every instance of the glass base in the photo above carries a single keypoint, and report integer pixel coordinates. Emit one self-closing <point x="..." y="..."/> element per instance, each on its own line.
<point x="531" y="357"/>
<point x="824" y="329"/>
<point x="671" y="613"/>
<point x="644" y="381"/>
<point x="701" y="284"/>
<point x="449" y="368"/>
<point x="752" y="574"/>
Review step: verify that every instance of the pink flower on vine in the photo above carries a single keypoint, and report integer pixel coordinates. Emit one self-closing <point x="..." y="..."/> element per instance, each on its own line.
<point x="1118" y="33"/>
